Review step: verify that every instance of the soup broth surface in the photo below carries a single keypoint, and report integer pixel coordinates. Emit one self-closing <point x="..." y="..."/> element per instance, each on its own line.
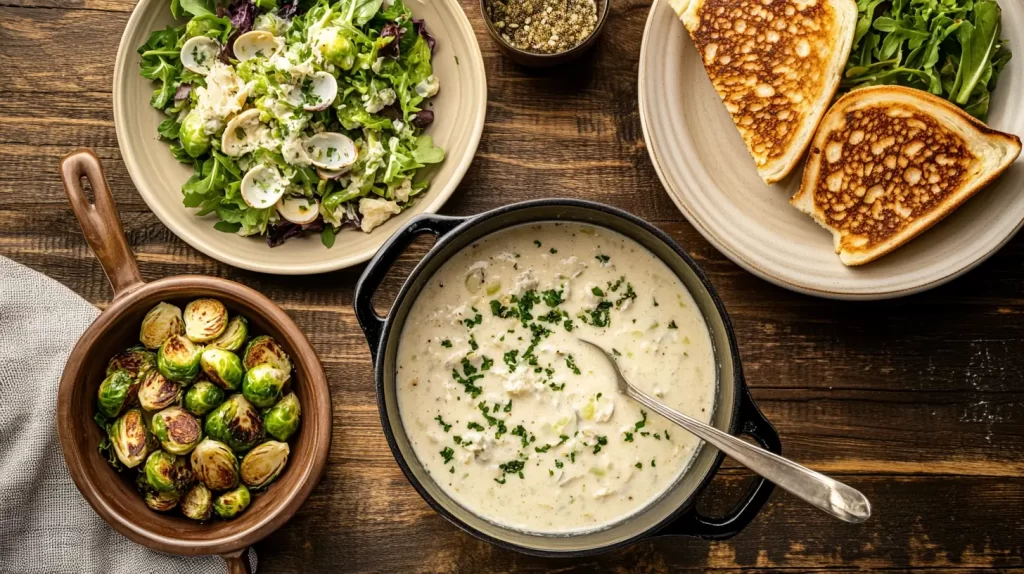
<point x="516" y="419"/>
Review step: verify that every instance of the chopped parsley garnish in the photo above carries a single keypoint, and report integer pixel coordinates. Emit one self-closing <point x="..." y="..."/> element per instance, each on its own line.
<point x="568" y="325"/>
<point x="672" y="324"/>
<point x="642" y="422"/>
<point x="628" y="295"/>
<point x="601" y="441"/>
<point x="629" y="437"/>
<point x="639" y="465"/>
<point x="501" y="311"/>
<point x="525" y="305"/>
<point x="511" y="467"/>
<point x="655" y="302"/>
<point x="597" y="291"/>
<point x="666" y="435"/>
<point x="448" y="454"/>
<point x="602" y="258"/>
<point x="475" y="426"/>
<point x="552" y="316"/>
<point x="553" y="298"/>
<point x="613" y="287"/>
<point x="555" y="387"/>
<point x="572" y="457"/>
<point x="657" y="436"/>
<point x="472" y="343"/>
<point x="536" y="242"/>
<point x="553" y="251"/>
<point x="447" y="343"/>
<point x="652" y="462"/>
<point x="558" y="464"/>
<point x="457" y="439"/>
<point x="508" y="407"/>
<point x="562" y="438"/>
<point x="468" y="381"/>
<point x="452" y="470"/>
<point x="487" y="364"/>
<point x="571" y="363"/>
<point x="468" y="367"/>
<point x="598" y="316"/>
<point x="542" y="449"/>
<point x="511" y="358"/>
<point x="447" y="427"/>
<point x="524" y="437"/>
<point x="476" y="320"/>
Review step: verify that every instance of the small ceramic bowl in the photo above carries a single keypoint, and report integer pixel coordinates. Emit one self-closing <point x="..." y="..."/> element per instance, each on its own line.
<point x="536" y="60"/>
<point x="113" y="496"/>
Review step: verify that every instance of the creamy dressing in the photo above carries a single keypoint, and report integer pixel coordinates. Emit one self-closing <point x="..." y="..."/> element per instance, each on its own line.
<point x="518" y="421"/>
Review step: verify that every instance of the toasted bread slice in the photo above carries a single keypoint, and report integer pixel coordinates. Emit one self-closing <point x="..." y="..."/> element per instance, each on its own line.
<point x="889" y="162"/>
<point x="776" y="65"/>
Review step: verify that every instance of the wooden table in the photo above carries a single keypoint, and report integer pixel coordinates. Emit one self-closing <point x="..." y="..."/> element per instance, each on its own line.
<point x="917" y="402"/>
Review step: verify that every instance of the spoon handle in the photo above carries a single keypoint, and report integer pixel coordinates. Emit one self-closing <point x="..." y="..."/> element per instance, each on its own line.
<point x="835" y="498"/>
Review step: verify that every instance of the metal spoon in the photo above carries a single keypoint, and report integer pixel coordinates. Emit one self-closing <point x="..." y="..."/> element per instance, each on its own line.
<point x="833" y="497"/>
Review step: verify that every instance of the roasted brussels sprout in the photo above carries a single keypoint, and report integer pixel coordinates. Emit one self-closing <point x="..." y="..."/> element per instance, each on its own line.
<point x="136" y="361"/>
<point x="232" y="503"/>
<point x="264" y="349"/>
<point x="129" y="437"/>
<point x="235" y="423"/>
<point x="197" y="503"/>
<point x="215" y="465"/>
<point x="161" y="501"/>
<point x="160" y="323"/>
<point x="263" y="384"/>
<point x="234" y="335"/>
<point x="192" y="134"/>
<point x="118" y="392"/>
<point x="338" y="49"/>
<point x="203" y="397"/>
<point x="264" y="463"/>
<point x="177" y="431"/>
<point x="282" y="419"/>
<point x="166" y="472"/>
<point x="224" y="368"/>
<point x="205" y="319"/>
<point x="178" y="359"/>
<point x="156" y="393"/>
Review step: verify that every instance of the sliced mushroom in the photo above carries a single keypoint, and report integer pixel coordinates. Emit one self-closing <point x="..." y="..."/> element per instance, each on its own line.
<point x="263" y="186"/>
<point x="323" y="88"/>
<point x="298" y="210"/>
<point x="198" y="53"/>
<point x="331" y="150"/>
<point x="241" y="135"/>
<point x="256" y="43"/>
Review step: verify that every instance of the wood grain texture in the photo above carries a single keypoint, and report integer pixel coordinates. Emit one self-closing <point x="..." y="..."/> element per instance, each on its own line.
<point x="918" y="402"/>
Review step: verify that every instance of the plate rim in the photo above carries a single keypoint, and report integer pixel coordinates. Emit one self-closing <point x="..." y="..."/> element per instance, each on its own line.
<point x="749" y="265"/>
<point x="124" y="52"/>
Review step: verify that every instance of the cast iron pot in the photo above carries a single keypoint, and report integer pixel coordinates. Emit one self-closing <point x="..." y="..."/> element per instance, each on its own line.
<point x="676" y="511"/>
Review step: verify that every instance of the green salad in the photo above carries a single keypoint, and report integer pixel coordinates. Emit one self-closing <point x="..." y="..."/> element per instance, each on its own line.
<point x="950" y="48"/>
<point x="298" y="116"/>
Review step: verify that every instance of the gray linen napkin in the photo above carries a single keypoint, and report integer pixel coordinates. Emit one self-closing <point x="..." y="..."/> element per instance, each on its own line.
<point x="45" y="524"/>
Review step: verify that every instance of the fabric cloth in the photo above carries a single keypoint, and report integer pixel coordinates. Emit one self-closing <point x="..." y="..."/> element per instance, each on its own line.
<point x="46" y="526"/>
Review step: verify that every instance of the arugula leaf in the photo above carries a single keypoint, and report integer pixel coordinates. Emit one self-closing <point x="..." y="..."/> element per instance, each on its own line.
<point x="197" y="7"/>
<point x="977" y="48"/>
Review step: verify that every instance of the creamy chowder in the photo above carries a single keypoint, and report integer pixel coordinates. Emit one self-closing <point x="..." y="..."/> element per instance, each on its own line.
<point x="514" y="417"/>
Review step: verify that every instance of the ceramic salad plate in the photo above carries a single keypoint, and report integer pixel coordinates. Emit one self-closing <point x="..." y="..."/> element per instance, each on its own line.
<point x="459" y="109"/>
<point x="705" y="167"/>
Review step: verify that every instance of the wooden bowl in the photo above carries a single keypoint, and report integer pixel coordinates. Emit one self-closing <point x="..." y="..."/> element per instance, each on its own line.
<point x="112" y="495"/>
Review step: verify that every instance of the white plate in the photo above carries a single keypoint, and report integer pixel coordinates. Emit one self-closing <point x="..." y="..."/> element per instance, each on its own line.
<point x="704" y="166"/>
<point x="459" y="111"/>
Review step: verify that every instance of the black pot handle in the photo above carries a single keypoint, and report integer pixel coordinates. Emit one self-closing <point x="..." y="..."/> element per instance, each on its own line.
<point x="693" y="523"/>
<point x="377" y="269"/>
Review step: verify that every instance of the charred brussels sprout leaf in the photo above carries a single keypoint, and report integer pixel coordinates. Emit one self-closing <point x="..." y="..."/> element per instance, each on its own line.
<point x="234" y="335"/>
<point x="129" y="437"/>
<point x="264" y="463"/>
<point x="282" y="419"/>
<point x="232" y="503"/>
<point x="235" y="423"/>
<point x="223" y="368"/>
<point x="178" y="359"/>
<point x="117" y="392"/>
<point x="136" y="361"/>
<point x="215" y="465"/>
<point x="177" y="430"/>
<point x="205" y="319"/>
<point x="156" y="393"/>
<point x="197" y="503"/>
<point x="160" y="323"/>
<point x="263" y="384"/>
<point x="203" y="397"/>
<point x="264" y="349"/>
<point x="192" y="135"/>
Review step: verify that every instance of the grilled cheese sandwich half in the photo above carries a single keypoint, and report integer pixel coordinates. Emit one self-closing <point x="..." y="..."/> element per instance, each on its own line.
<point x="889" y="162"/>
<point x="776" y="65"/>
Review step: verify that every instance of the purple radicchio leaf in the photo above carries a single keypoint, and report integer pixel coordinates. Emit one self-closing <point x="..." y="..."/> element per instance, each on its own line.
<point x="352" y="215"/>
<point x="289" y="9"/>
<point x="423" y="118"/>
<point x="421" y="29"/>
<point x="392" y="112"/>
<point x="394" y="49"/>
<point x="242" y="14"/>
<point x="183" y="92"/>
<point x="281" y="232"/>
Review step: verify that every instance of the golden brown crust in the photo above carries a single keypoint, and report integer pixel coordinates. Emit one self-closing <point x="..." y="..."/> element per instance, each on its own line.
<point x="889" y="162"/>
<point x="775" y="64"/>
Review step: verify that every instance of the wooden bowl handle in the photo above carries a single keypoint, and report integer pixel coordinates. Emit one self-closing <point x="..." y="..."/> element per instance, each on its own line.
<point x="237" y="563"/>
<point x="99" y="220"/>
